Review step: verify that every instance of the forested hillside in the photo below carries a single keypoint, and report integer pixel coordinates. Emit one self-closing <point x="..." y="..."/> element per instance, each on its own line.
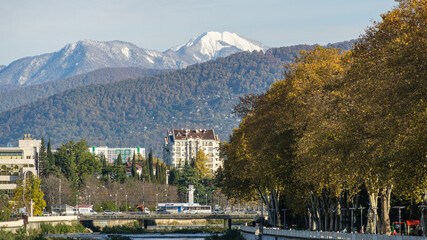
<point x="137" y="112"/>
<point x="25" y="95"/>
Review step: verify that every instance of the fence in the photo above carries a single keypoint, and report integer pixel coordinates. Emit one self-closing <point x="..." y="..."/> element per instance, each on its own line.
<point x="271" y="233"/>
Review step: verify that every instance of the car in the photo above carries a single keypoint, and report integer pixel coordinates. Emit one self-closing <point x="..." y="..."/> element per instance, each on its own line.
<point x="46" y="214"/>
<point x="108" y="212"/>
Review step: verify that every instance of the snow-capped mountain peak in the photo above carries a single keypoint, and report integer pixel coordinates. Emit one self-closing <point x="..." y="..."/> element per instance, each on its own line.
<point x="211" y="45"/>
<point x="88" y="55"/>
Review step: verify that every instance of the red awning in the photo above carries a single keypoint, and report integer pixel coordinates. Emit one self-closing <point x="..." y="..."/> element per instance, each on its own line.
<point x="140" y="206"/>
<point x="413" y="222"/>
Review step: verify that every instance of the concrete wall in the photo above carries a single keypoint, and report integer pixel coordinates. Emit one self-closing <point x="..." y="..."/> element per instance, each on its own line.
<point x="34" y="222"/>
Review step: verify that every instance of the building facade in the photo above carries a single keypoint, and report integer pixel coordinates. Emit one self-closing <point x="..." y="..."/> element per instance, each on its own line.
<point x="111" y="154"/>
<point x="183" y="145"/>
<point x="17" y="163"/>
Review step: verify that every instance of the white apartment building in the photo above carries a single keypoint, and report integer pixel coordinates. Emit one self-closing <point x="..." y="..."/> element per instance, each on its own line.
<point x="17" y="162"/>
<point x="111" y="154"/>
<point x="183" y="145"/>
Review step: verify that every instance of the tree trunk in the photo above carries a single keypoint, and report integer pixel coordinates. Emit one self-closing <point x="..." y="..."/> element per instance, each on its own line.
<point x="339" y="211"/>
<point x="315" y="214"/>
<point x="372" y="212"/>
<point x="385" y="193"/>
<point x="319" y="212"/>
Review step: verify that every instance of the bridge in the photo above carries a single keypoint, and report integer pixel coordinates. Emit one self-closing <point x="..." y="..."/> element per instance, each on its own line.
<point x="144" y="218"/>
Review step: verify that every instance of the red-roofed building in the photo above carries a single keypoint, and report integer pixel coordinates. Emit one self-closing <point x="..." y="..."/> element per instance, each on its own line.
<point x="183" y="144"/>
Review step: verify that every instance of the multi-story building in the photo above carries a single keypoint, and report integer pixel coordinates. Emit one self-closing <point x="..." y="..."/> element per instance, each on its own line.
<point x="183" y="145"/>
<point x="17" y="163"/>
<point x="111" y="154"/>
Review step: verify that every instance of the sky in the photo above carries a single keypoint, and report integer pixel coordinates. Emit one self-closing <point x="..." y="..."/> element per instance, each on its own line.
<point x="29" y="28"/>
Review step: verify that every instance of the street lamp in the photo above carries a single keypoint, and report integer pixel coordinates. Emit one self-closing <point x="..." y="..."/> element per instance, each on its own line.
<point x="361" y="219"/>
<point x="116" y="202"/>
<point x="352" y="219"/>
<point x="77" y="203"/>
<point x="422" y="207"/>
<point x="400" y="225"/>
<point x="143" y="196"/>
<point x="284" y="218"/>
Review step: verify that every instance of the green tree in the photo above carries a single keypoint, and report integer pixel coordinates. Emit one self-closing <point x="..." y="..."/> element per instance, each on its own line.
<point x="133" y="170"/>
<point x="50" y="155"/>
<point x="150" y="165"/>
<point x="119" y="172"/>
<point x="44" y="164"/>
<point x="76" y="162"/>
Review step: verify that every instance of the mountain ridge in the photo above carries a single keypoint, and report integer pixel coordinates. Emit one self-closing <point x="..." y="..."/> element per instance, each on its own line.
<point x="137" y="112"/>
<point x="88" y="55"/>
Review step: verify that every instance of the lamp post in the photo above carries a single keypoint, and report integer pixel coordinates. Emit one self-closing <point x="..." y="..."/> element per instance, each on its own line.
<point x="206" y="199"/>
<point x="352" y="220"/>
<point x="116" y="202"/>
<point x="400" y="225"/>
<point x="422" y="207"/>
<point x="143" y="196"/>
<point x="361" y="219"/>
<point x="23" y="190"/>
<point x="127" y="203"/>
<point x="60" y="184"/>
<point x="77" y="203"/>
<point x="284" y="218"/>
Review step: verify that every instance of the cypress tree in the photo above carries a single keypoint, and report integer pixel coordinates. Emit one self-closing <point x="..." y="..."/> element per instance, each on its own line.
<point x="50" y="156"/>
<point x="133" y="170"/>
<point x="157" y="172"/>
<point x="43" y="161"/>
<point x="150" y="165"/>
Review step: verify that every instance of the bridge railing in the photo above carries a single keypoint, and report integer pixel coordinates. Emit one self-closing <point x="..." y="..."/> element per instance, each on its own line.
<point x="326" y="235"/>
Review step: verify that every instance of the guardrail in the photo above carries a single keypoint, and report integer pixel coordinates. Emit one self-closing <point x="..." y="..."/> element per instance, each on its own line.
<point x="326" y="235"/>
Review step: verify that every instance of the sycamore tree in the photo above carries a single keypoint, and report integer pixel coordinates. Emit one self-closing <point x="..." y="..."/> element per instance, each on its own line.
<point x="314" y="82"/>
<point x="386" y="106"/>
